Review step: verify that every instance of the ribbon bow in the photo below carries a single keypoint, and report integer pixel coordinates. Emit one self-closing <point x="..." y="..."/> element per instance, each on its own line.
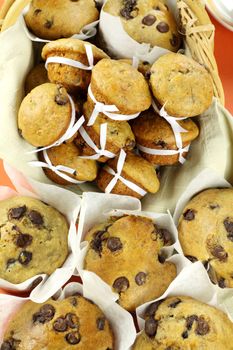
<point x="56" y="169"/>
<point x="117" y="176"/>
<point x="103" y="139"/>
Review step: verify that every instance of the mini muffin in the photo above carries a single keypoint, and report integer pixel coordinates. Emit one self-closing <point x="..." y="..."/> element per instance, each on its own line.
<point x="72" y="78"/>
<point x="55" y="19"/>
<point x="119" y="135"/>
<point x="72" y="323"/>
<point x="184" y="323"/>
<point x="206" y="233"/>
<point x="117" y="83"/>
<point x="33" y="239"/>
<point x="154" y="132"/>
<point x="115" y="254"/>
<point x="136" y="170"/>
<point x="68" y="154"/>
<point x="146" y="21"/>
<point x="178" y="82"/>
<point x="44" y="115"/>
<point x="37" y="76"/>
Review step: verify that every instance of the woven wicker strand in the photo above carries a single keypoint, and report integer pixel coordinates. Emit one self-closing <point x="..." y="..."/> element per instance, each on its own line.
<point x="199" y="43"/>
<point x="12" y="11"/>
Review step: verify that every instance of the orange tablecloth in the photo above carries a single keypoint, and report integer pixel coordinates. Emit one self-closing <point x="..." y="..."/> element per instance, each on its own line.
<point x="224" y="56"/>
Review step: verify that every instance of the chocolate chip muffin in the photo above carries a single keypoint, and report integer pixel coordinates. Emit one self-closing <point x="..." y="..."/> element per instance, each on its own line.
<point x="44" y="115"/>
<point x="72" y="78"/>
<point x="184" y="323"/>
<point x="119" y="135"/>
<point x="178" y="82"/>
<point x="72" y="323"/>
<point x="137" y="170"/>
<point x="37" y="76"/>
<point x="206" y="233"/>
<point x="33" y="239"/>
<point x="115" y="254"/>
<point x="55" y="19"/>
<point x="68" y="154"/>
<point x="117" y="83"/>
<point x="154" y="132"/>
<point x="146" y="21"/>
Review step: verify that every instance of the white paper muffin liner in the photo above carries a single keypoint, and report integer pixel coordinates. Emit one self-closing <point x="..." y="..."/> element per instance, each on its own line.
<point x="121" y="321"/>
<point x="65" y="202"/>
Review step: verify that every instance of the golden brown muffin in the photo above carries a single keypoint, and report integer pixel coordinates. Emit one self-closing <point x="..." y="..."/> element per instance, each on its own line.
<point x="206" y="233"/>
<point x="137" y="170"/>
<point x="33" y="239"/>
<point x="37" y="76"/>
<point x="146" y="21"/>
<point x="72" y="78"/>
<point x="182" y="85"/>
<point x="72" y="323"/>
<point x="119" y="135"/>
<point x="183" y="323"/>
<point x="115" y="254"/>
<point x="117" y="83"/>
<point x="154" y="132"/>
<point x="44" y="115"/>
<point x="55" y="19"/>
<point x="68" y="154"/>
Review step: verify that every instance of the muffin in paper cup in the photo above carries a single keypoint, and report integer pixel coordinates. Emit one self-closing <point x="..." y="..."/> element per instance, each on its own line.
<point x="65" y="202"/>
<point x="126" y="212"/>
<point x="121" y="321"/>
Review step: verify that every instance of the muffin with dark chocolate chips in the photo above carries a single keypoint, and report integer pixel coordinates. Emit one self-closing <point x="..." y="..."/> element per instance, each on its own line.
<point x="72" y="323"/>
<point x="206" y="233"/>
<point x="126" y="253"/>
<point x="177" y="323"/>
<point x="33" y="239"/>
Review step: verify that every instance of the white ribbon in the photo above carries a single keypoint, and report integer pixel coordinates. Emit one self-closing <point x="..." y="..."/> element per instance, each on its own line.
<point x="117" y="176"/>
<point x="106" y="110"/>
<point x="103" y="139"/>
<point x="160" y="152"/>
<point x="74" y="63"/>
<point x="70" y="132"/>
<point x="135" y="62"/>
<point x="56" y="169"/>
<point x="177" y="130"/>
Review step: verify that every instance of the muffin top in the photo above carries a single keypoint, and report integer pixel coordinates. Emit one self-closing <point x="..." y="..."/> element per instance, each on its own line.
<point x="33" y="239"/>
<point x="72" y="323"/>
<point x="55" y="19"/>
<point x="178" y="82"/>
<point x="115" y="254"/>
<point x="206" y="233"/>
<point x="184" y="323"/>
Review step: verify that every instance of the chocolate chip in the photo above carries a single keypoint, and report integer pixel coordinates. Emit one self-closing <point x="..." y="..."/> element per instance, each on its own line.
<point x="161" y="258"/>
<point x="151" y="326"/>
<point x="214" y="206"/>
<point x="221" y="282"/>
<point x="73" y="338"/>
<point x="140" y="278"/>
<point x="100" y="323"/>
<point x="174" y="40"/>
<point x="129" y="6"/>
<point x="229" y="228"/>
<point x="17" y="213"/>
<point x="36" y="218"/>
<point x="185" y="335"/>
<point x="174" y="304"/>
<point x="161" y="144"/>
<point x="165" y="235"/>
<point x="37" y="11"/>
<point x="10" y="262"/>
<point x="202" y="327"/>
<point x="121" y="284"/>
<point x="149" y="20"/>
<point x="23" y="240"/>
<point x="114" y="244"/>
<point x="96" y="243"/>
<point x="44" y="315"/>
<point x="152" y="308"/>
<point x="193" y="259"/>
<point x="163" y="27"/>
<point x="25" y="257"/>
<point x="219" y="253"/>
<point x="189" y="215"/>
<point x="8" y="345"/>
<point x="48" y="24"/>
<point x="74" y="301"/>
<point x="61" y="99"/>
<point x="72" y="321"/>
<point x="190" y="320"/>
<point x="60" y="325"/>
